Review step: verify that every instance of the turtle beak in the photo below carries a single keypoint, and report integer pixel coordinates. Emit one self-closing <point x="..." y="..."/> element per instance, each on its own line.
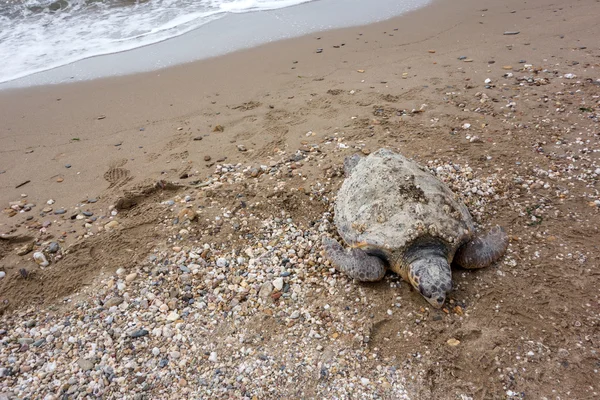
<point x="436" y="301"/>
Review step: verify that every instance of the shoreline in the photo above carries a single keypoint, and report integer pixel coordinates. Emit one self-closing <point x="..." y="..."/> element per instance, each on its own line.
<point x="225" y="35"/>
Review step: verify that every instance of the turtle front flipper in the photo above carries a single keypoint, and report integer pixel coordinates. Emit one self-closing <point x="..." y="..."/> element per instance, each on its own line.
<point x="354" y="262"/>
<point x="483" y="249"/>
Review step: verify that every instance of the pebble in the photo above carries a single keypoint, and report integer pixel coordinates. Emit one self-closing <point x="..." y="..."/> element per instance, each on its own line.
<point x="25" y="249"/>
<point x="113" y="301"/>
<point x="241" y="148"/>
<point x="173" y="316"/>
<point x="265" y="290"/>
<point x="2" y="274"/>
<point x="155" y="351"/>
<point x="111" y="225"/>
<point x="222" y="262"/>
<point x="213" y="357"/>
<point x="278" y="283"/>
<point x="40" y="259"/>
<point x="131" y="277"/>
<point x="85" y="365"/>
<point x="53" y="247"/>
<point x="60" y="211"/>
<point x="139" y="333"/>
<point x="453" y="342"/>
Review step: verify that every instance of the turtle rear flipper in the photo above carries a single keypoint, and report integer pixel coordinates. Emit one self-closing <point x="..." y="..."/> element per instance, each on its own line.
<point x="483" y="249"/>
<point x="355" y="263"/>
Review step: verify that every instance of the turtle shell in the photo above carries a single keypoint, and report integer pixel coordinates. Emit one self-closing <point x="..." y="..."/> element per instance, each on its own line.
<point x="389" y="201"/>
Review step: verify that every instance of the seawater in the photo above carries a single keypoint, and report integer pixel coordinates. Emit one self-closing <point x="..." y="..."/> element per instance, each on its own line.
<point x="42" y="35"/>
<point x="36" y="35"/>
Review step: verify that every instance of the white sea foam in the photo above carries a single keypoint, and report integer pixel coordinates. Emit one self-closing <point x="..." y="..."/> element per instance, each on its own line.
<point x="37" y="35"/>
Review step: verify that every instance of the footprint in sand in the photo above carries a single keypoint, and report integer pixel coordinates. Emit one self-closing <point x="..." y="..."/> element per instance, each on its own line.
<point x="116" y="175"/>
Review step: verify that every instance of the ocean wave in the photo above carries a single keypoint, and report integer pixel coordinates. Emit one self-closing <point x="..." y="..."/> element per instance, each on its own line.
<point x="38" y="35"/>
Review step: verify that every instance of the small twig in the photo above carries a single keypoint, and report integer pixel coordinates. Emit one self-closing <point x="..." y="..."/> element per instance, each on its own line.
<point x="22" y="184"/>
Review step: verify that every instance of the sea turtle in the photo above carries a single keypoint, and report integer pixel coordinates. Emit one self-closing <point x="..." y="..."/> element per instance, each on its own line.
<point x="396" y="215"/>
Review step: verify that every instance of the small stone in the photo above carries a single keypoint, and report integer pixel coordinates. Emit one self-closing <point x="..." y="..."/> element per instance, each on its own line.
<point x="366" y="151"/>
<point x="60" y="211"/>
<point x="213" y="357"/>
<point x="207" y="158"/>
<point x="23" y="341"/>
<point x="563" y="353"/>
<point x="241" y="148"/>
<point x="131" y="277"/>
<point x="173" y="316"/>
<point x="40" y="259"/>
<point x="265" y="290"/>
<point x="453" y="342"/>
<point x="364" y="381"/>
<point x="85" y="365"/>
<point x="139" y="333"/>
<point x="512" y="32"/>
<point x="53" y="247"/>
<point x="156" y="351"/>
<point x="25" y="249"/>
<point x="111" y="225"/>
<point x="184" y="269"/>
<point x="113" y="301"/>
<point x="197" y="138"/>
<point x="295" y="315"/>
<point x="218" y="128"/>
<point x="2" y="274"/>
<point x="87" y="213"/>
<point x="59" y="180"/>
<point x="278" y="283"/>
<point x="222" y="262"/>
<point x="68" y="166"/>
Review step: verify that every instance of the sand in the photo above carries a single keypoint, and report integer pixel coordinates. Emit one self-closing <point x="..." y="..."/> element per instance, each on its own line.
<point x="410" y="83"/>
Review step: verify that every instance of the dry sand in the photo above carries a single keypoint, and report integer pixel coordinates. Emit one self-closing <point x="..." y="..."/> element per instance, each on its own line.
<point x="528" y="327"/>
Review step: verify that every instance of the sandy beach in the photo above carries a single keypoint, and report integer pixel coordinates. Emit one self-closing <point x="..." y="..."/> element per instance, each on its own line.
<point x="181" y="212"/>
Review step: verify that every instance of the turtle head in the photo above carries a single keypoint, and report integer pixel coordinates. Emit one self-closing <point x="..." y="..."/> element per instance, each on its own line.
<point x="432" y="277"/>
